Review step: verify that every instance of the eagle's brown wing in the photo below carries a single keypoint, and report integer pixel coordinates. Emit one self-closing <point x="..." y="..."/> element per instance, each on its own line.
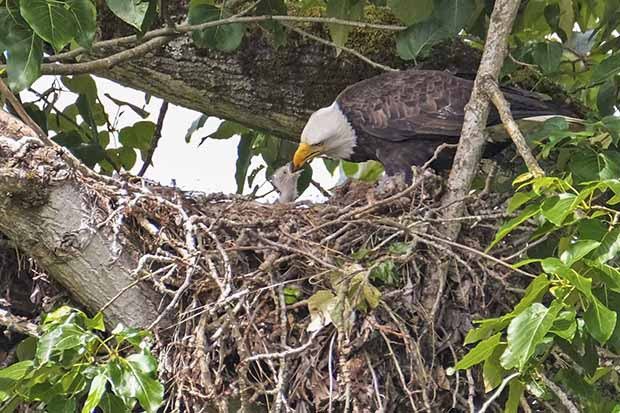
<point x="400" y="105"/>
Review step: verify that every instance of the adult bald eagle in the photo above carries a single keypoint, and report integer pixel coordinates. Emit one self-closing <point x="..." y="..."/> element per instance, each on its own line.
<point x="400" y="118"/>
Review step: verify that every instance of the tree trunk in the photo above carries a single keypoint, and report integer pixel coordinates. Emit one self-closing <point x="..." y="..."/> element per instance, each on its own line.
<point x="52" y="217"/>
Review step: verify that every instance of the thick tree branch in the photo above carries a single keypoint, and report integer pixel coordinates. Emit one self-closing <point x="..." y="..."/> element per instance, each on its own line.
<point x="471" y="144"/>
<point x="60" y="230"/>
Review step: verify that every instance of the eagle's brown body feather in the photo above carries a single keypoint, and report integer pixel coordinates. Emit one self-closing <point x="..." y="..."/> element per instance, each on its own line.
<point x="400" y="118"/>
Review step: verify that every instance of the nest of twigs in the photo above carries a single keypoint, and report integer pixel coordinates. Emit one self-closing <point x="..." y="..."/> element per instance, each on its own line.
<point x="305" y="308"/>
<point x="312" y="308"/>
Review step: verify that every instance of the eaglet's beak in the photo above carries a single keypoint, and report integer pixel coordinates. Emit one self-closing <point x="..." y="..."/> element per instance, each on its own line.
<point x="303" y="154"/>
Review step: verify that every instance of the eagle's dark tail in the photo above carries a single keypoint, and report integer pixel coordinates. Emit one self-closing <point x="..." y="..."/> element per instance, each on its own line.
<point x="524" y="105"/>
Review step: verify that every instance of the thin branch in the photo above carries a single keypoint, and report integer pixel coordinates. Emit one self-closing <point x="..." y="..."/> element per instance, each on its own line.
<point x="343" y="48"/>
<point x="188" y="28"/>
<point x="156" y="137"/>
<point x="492" y="90"/>
<point x="105" y="63"/>
<point x="499" y="390"/>
<point x="563" y="397"/>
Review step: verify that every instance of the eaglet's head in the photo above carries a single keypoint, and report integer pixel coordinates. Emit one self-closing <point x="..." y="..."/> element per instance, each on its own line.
<point x="328" y="133"/>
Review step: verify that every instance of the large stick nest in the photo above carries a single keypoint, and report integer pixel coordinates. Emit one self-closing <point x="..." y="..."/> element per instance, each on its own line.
<point x="302" y="307"/>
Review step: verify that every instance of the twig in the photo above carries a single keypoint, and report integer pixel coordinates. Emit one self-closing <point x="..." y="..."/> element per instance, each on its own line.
<point x="105" y="63"/>
<point x="69" y="158"/>
<point x="188" y="28"/>
<point x="375" y="382"/>
<point x="491" y="89"/>
<point x="561" y="395"/>
<point x="286" y="353"/>
<point x="343" y="48"/>
<point x="473" y="251"/>
<point x="499" y="390"/>
<point x="155" y="140"/>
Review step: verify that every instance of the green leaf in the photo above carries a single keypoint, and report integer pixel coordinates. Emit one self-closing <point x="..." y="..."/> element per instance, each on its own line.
<point x="198" y="123"/>
<point x="112" y="404"/>
<point x="547" y="55"/>
<point x="533" y="293"/>
<point x="273" y="8"/>
<point x="492" y="370"/>
<point x="509" y="226"/>
<point x="225" y="37"/>
<point x="609" y="248"/>
<point x="138" y="136"/>
<point x="565" y="325"/>
<point x="600" y="320"/>
<point x="133" y="12"/>
<point x="61" y="404"/>
<point x="417" y="40"/>
<point x="82" y="85"/>
<point x="557" y="208"/>
<point x="26" y="349"/>
<point x="16" y="371"/>
<point x="454" y="15"/>
<point x="244" y="156"/>
<point x="581" y="283"/>
<point x="228" y="129"/>
<point x="518" y="199"/>
<point x="607" y="98"/>
<point x="145" y="362"/>
<point x="577" y="251"/>
<point x="384" y="272"/>
<point x="345" y="10"/>
<point x="150" y="392"/>
<point x="479" y="353"/>
<point x="97" y="388"/>
<point x="25" y="52"/>
<point x="291" y="295"/>
<point x="11" y="405"/>
<point x="85" y="20"/>
<point x="607" y="273"/>
<point x="606" y="69"/>
<point x="485" y="329"/>
<point x="526" y="331"/>
<point x="52" y="20"/>
<point x="411" y="11"/>
<point x="515" y="391"/>
<point x="96" y="323"/>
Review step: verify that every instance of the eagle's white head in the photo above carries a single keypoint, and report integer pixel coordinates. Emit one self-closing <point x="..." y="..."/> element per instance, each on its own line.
<point x="328" y="133"/>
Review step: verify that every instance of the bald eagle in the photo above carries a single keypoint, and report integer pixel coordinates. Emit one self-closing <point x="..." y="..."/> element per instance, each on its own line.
<point x="400" y="118"/>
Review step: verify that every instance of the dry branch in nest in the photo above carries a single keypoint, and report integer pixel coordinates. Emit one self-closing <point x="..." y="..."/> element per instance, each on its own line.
<point x="310" y="308"/>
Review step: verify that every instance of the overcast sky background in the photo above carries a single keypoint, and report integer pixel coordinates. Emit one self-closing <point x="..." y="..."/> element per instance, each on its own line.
<point x="209" y="167"/>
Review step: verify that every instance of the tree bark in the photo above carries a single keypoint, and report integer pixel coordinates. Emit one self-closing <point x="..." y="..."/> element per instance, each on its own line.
<point x="52" y="217"/>
<point x="263" y="86"/>
<point x="473" y="138"/>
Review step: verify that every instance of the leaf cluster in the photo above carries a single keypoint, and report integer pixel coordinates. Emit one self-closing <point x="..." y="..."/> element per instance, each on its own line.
<point x="567" y="319"/>
<point x="71" y="367"/>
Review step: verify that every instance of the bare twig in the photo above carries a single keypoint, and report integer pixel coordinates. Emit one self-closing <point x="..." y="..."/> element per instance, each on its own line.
<point x="343" y="48"/>
<point x="155" y="139"/>
<point x="561" y="395"/>
<point x="497" y="392"/>
<point x="492" y="90"/>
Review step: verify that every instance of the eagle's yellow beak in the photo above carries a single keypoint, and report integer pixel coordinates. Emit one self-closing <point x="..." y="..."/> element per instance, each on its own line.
<point x="303" y="154"/>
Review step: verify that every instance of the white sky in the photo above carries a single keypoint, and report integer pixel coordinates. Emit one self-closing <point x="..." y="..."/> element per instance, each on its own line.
<point x="209" y="167"/>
